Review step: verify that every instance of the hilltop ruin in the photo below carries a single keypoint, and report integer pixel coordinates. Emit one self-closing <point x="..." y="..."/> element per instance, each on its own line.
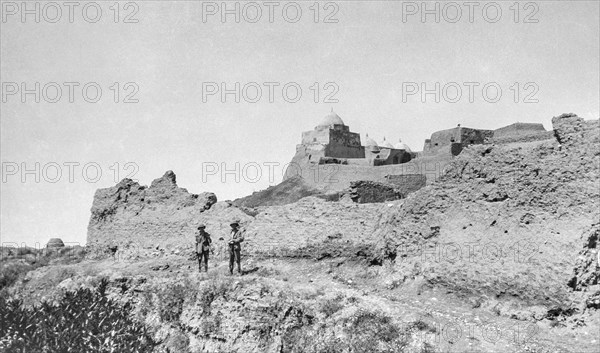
<point x="331" y="157"/>
<point x="163" y="215"/>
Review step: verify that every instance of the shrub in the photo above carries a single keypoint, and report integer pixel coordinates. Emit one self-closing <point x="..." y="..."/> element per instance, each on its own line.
<point x="216" y="287"/>
<point x="332" y="306"/>
<point x="170" y="301"/>
<point x="84" y="320"/>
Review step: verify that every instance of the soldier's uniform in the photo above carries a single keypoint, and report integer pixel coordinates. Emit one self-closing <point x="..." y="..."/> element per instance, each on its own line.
<point x="235" y="248"/>
<point x="203" y="243"/>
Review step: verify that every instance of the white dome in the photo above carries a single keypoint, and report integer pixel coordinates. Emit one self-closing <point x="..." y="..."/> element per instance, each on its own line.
<point x="370" y="142"/>
<point x="331" y="119"/>
<point x="402" y="146"/>
<point x="385" y="144"/>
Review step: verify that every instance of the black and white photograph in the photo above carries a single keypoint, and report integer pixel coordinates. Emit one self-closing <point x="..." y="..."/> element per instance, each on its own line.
<point x="308" y="176"/>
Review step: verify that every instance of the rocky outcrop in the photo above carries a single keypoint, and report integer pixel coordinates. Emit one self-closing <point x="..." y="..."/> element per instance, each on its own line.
<point x="129" y="214"/>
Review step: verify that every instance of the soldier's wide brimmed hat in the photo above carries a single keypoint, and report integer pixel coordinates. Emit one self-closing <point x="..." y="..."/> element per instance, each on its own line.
<point x="235" y="222"/>
<point x="201" y="225"/>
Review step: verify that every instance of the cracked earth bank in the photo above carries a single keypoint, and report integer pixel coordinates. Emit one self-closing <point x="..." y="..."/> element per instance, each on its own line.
<point x="499" y="255"/>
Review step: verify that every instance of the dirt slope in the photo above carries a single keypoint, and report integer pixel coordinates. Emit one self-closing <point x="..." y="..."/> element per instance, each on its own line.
<point x="288" y="191"/>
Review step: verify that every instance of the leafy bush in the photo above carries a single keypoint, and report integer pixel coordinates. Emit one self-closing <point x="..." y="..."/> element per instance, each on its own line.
<point x="171" y="299"/>
<point x="82" y="321"/>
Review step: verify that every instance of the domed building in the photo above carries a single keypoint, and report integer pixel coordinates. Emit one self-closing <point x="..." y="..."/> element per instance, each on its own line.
<point x="385" y="144"/>
<point x="330" y="120"/>
<point x="332" y="138"/>
<point x="402" y="146"/>
<point x="369" y="142"/>
<point x="371" y="147"/>
<point x="332" y="142"/>
<point x="55" y="243"/>
<point x="388" y="155"/>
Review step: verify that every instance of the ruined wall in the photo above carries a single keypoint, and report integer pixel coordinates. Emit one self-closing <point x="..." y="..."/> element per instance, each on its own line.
<point x="474" y="136"/>
<point x="337" y="177"/>
<point x="440" y="140"/>
<point x="131" y="213"/>
<point x="407" y="184"/>
<point x="453" y="140"/>
<point x="456" y="138"/>
<point x="372" y="191"/>
<point x="570" y="130"/>
<point x="138" y="221"/>
<point x="517" y="129"/>
<point x="520" y="132"/>
<point x="524" y="137"/>
<point x="310" y="221"/>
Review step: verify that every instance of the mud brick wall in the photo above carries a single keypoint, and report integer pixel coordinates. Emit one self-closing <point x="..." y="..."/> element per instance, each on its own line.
<point x="407" y="183"/>
<point x="308" y="222"/>
<point x="129" y="213"/>
<point x="337" y="177"/>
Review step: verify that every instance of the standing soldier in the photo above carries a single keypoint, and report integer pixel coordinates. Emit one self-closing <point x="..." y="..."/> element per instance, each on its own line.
<point x="203" y="246"/>
<point x="235" y="248"/>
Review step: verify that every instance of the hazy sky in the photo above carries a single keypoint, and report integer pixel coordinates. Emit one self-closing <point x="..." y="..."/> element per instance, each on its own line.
<point x="178" y="50"/>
